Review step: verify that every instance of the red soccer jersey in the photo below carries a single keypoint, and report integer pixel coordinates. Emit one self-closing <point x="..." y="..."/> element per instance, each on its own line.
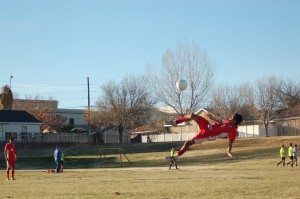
<point x="225" y="127"/>
<point x="10" y="152"/>
<point x="211" y="132"/>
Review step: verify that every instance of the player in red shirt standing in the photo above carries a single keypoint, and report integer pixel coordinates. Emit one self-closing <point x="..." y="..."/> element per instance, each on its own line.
<point x="208" y="131"/>
<point x="10" y="156"/>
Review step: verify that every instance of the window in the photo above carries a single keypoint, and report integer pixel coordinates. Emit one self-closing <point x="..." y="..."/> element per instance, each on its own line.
<point x="11" y="134"/>
<point x="26" y="136"/>
<point x="285" y="128"/>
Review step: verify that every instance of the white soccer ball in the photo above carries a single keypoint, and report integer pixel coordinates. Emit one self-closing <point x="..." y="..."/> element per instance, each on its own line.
<point x="181" y="85"/>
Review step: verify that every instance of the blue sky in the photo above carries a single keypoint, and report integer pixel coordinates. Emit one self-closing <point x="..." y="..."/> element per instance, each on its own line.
<point x="50" y="47"/>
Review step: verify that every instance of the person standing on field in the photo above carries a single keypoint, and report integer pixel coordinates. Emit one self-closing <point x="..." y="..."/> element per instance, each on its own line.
<point x="10" y="154"/>
<point x="173" y="160"/>
<point x="57" y="158"/>
<point x="290" y="151"/>
<point x="62" y="162"/>
<point x="282" y="156"/>
<point x="295" y="154"/>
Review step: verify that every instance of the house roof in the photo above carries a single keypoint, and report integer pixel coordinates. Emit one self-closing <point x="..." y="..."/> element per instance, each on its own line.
<point x="291" y="113"/>
<point x="17" y="116"/>
<point x="149" y="128"/>
<point x="116" y="129"/>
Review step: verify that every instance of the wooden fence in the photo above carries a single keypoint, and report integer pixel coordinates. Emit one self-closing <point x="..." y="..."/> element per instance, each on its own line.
<point x="61" y="137"/>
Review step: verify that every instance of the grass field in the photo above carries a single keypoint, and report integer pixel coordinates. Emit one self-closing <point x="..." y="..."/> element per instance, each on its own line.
<point x="205" y="172"/>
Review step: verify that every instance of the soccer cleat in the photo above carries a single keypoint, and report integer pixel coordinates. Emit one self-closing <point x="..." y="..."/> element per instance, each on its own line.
<point x="229" y="154"/>
<point x="13" y="179"/>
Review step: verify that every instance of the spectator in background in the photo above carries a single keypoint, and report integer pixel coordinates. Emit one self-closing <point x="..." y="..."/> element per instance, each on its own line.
<point x="57" y="158"/>
<point x="62" y="161"/>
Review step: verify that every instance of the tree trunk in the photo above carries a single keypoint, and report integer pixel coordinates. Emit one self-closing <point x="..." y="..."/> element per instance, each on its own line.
<point x="120" y="129"/>
<point x="267" y="130"/>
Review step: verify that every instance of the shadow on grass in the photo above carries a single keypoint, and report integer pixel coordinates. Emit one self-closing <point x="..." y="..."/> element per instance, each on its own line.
<point x="89" y="159"/>
<point x="143" y="148"/>
<point x="216" y="158"/>
<point x="241" y="155"/>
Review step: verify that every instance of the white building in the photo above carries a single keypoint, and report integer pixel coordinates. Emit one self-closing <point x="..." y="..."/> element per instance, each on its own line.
<point x="18" y="124"/>
<point x="76" y="114"/>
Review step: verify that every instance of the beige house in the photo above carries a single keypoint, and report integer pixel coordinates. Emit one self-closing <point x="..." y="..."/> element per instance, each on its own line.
<point x="288" y="126"/>
<point x="289" y="122"/>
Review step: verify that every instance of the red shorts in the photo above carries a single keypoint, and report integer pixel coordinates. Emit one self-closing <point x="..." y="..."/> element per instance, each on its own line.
<point x="11" y="163"/>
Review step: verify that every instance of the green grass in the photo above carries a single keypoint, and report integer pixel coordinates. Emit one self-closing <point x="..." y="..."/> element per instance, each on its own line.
<point x="205" y="172"/>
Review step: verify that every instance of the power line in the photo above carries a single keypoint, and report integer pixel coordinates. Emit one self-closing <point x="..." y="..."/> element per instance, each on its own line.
<point x="54" y="93"/>
<point x="62" y="92"/>
<point x="51" y="80"/>
<point x="47" y="86"/>
<point x="75" y="99"/>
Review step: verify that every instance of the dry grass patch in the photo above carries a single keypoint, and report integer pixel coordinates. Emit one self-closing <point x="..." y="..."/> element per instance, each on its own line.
<point x="205" y="172"/>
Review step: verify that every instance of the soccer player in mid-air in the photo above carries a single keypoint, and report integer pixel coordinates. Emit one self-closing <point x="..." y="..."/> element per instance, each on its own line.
<point x="208" y="131"/>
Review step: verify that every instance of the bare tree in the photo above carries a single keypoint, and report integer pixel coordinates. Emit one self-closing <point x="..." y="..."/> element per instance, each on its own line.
<point x="125" y="103"/>
<point x="267" y="101"/>
<point x="289" y="92"/>
<point x="227" y="100"/>
<point x="186" y="62"/>
<point x="97" y="120"/>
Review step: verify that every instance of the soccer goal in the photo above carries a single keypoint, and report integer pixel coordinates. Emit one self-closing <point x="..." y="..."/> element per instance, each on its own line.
<point x="110" y="156"/>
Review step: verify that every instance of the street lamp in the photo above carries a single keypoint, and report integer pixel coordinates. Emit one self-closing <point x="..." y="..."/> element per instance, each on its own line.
<point x="10" y="81"/>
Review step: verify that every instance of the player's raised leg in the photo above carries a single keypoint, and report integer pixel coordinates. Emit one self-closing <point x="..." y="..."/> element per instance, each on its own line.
<point x="185" y="146"/>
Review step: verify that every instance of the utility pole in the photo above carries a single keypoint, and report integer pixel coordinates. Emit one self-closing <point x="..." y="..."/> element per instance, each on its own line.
<point x="89" y="105"/>
<point x="89" y="108"/>
<point x="10" y="81"/>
